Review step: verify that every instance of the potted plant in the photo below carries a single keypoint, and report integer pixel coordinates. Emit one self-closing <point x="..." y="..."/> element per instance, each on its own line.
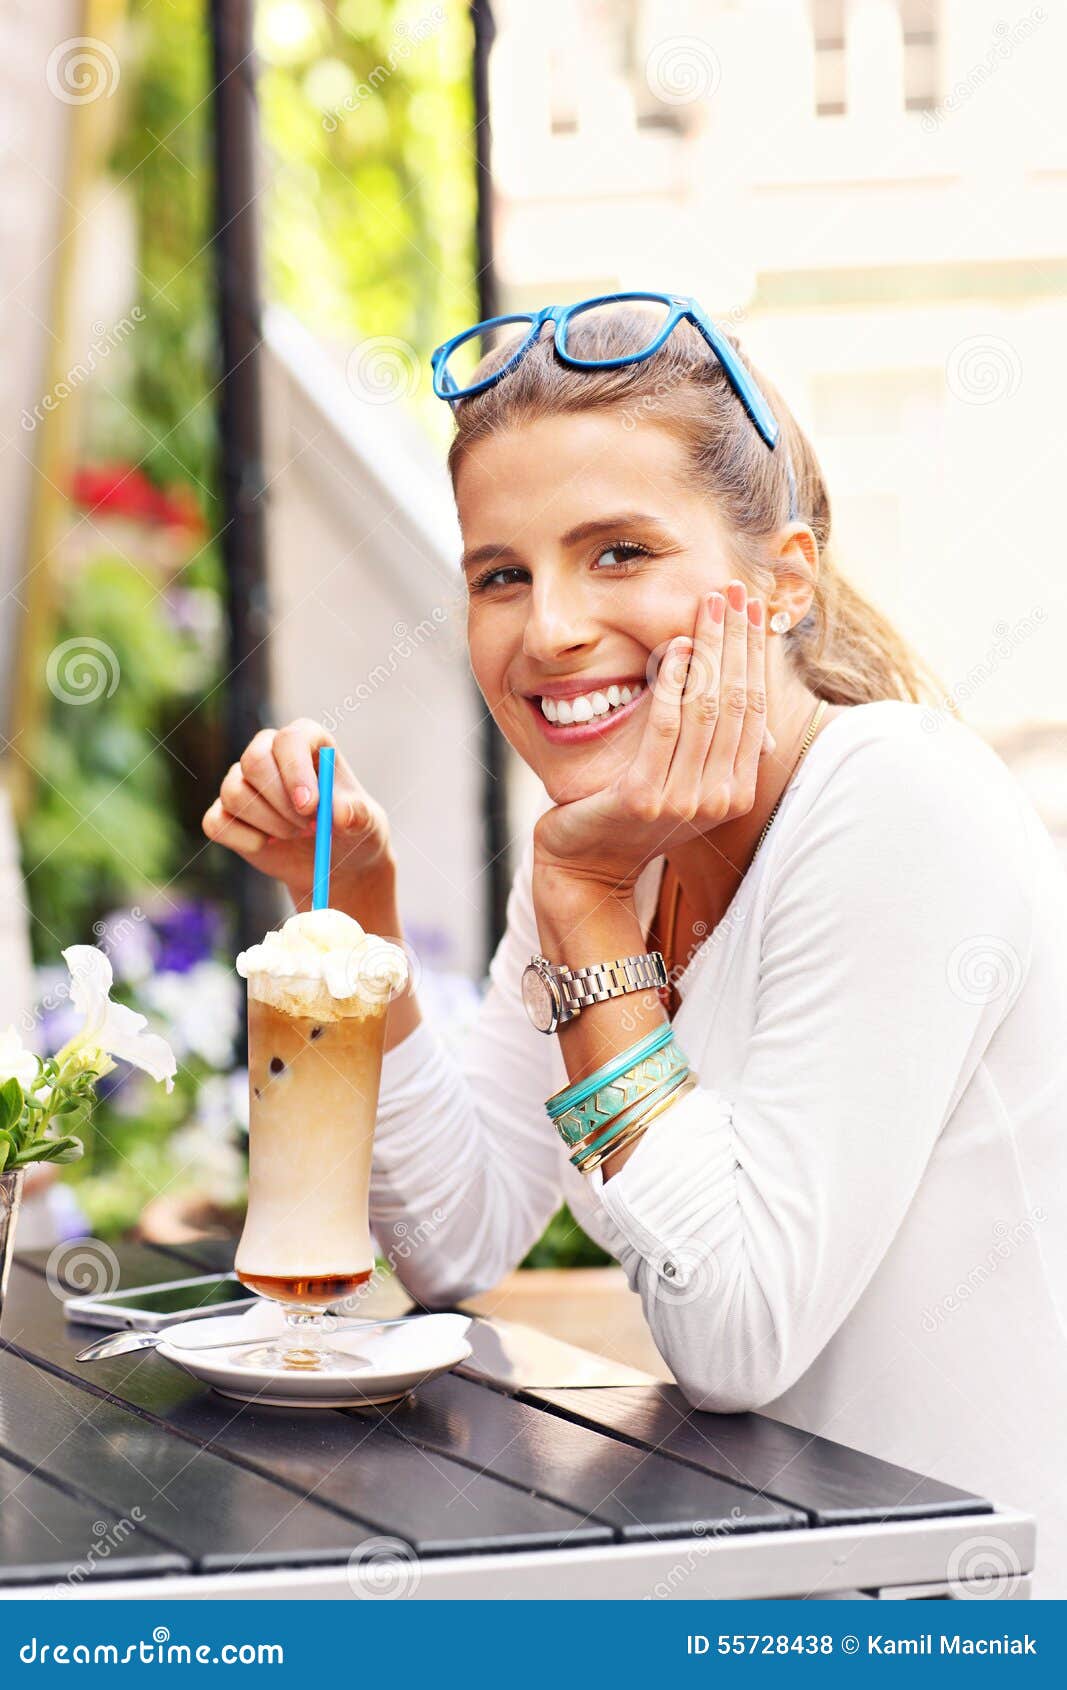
<point x="46" y="1101"/>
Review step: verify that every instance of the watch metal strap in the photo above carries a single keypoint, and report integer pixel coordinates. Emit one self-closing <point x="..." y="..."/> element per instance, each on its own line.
<point x="601" y="980"/>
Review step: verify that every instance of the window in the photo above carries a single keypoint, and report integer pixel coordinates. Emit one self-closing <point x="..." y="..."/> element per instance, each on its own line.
<point x="828" y="23"/>
<point x="922" y="68"/>
<point x="921" y="37"/>
<point x="610" y="41"/>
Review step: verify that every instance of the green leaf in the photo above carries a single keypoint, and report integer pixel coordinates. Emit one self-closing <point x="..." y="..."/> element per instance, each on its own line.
<point x="10" y="1103"/>
<point x="49" y="1150"/>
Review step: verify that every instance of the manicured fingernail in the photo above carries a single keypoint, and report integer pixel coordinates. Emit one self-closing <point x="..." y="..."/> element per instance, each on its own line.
<point x="755" y="612"/>
<point x="718" y="607"/>
<point x="301" y="797"/>
<point x="735" y="592"/>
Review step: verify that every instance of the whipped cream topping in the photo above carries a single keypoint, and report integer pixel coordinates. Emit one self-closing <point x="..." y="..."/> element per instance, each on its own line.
<point x="322" y="962"/>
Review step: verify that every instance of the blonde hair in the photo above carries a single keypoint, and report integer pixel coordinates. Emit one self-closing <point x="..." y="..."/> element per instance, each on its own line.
<point x="844" y="649"/>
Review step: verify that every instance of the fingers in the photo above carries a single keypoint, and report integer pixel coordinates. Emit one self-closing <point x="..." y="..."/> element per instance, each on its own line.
<point x="749" y="750"/>
<point x="649" y="771"/>
<point x="241" y="799"/>
<point x="733" y="687"/>
<point x="261" y="772"/>
<point x="293" y="751"/>
<point x="700" y="701"/>
<point x="225" y="829"/>
<point x="353" y="810"/>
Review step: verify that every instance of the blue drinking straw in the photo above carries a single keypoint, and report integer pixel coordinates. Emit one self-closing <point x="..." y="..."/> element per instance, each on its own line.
<point x="320" y="892"/>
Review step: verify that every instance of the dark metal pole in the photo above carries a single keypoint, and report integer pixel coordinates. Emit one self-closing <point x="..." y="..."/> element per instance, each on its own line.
<point x="493" y="747"/>
<point x="242" y="486"/>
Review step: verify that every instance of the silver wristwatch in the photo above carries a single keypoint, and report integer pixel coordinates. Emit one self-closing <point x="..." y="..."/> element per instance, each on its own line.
<point x="554" y="994"/>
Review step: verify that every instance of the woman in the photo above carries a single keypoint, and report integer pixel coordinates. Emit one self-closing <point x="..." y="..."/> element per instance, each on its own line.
<point x="829" y="1149"/>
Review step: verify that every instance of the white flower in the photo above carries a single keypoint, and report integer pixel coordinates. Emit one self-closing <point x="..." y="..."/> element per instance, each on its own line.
<point x="16" y="1062"/>
<point x="200" y="1008"/>
<point x="110" y="1028"/>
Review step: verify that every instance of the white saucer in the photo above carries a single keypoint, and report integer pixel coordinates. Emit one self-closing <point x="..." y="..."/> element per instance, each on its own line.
<point x="387" y="1361"/>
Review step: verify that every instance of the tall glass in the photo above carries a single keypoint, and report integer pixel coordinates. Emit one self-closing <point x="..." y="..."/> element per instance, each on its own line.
<point x="313" y="1096"/>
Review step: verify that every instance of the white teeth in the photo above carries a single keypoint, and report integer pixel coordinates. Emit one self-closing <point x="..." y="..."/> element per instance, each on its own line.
<point x="585" y="706"/>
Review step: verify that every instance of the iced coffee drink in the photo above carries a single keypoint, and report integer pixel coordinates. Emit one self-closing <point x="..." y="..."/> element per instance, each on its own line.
<point x="318" y="995"/>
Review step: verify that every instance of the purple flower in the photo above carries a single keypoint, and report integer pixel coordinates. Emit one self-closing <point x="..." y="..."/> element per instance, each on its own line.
<point x="187" y="935"/>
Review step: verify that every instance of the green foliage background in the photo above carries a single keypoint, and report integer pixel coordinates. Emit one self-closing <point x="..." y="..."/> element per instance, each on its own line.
<point x="367" y="215"/>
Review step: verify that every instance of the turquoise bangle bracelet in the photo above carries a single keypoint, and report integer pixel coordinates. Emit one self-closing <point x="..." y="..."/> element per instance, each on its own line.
<point x="629" y="1135"/>
<point x="603" y="1076"/>
<point x="638" y="1081"/>
<point x="625" y="1118"/>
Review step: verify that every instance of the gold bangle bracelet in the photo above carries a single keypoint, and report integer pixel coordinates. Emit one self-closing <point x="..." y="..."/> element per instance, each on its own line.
<point x="637" y="1128"/>
<point x="652" y="1094"/>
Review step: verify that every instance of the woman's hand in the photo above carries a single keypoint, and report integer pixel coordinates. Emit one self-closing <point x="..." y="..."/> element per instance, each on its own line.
<point x="266" y="809"/>
<point x="696" y="764"/>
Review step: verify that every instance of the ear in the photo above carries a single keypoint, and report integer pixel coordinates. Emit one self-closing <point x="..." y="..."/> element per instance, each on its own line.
<point x="794" y="557"/>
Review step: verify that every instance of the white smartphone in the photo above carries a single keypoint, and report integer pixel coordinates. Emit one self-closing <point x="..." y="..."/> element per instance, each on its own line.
<point x="148" y="1307"/>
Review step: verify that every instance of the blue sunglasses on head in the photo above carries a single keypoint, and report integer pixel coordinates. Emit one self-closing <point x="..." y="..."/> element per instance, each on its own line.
<point x="676" y="307"/>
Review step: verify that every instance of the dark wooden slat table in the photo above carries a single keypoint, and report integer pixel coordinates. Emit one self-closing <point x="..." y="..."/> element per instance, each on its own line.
<point x="129" y="1477"/>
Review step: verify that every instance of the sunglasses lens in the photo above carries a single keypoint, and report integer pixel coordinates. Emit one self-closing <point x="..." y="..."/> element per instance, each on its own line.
<point x="463" y="361"/>
<point x="598" y="333"/>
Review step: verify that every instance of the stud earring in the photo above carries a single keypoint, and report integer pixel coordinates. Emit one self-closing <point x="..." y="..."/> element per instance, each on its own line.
<point x="779" y="621"/>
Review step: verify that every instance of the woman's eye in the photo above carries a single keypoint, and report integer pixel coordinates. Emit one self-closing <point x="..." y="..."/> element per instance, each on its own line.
<point x="503" y="577"/>
<point x="622" y="552"/>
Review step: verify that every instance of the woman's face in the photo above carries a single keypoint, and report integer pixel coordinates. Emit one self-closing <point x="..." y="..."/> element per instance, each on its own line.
<point x="586" y="548"/>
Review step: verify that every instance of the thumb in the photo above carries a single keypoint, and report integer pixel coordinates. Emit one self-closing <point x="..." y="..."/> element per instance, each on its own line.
<point x="350" y="812"/>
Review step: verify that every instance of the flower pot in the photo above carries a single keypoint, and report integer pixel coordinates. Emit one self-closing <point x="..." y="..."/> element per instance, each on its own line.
<point x="10" y="1196"/>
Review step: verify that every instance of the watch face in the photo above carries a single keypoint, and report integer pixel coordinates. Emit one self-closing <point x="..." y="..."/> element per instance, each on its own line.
<point x="540" y="1005"/>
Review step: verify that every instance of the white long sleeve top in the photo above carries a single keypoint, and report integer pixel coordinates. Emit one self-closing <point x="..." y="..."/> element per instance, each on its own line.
<point x="857" y="1221"/>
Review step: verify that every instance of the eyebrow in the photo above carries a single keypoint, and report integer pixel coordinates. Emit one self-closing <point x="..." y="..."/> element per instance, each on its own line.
<point x="493" y="552"/>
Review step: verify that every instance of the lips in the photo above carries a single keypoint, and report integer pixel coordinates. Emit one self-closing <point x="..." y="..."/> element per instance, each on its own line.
<point x="592" y="727"/>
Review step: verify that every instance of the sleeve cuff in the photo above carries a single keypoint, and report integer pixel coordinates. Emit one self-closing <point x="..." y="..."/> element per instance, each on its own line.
<point x="680" y="1175"/>
<point x="406" y="1060"/>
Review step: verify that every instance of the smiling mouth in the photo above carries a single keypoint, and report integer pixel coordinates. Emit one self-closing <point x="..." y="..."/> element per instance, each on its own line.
<point x="570" y="721"/>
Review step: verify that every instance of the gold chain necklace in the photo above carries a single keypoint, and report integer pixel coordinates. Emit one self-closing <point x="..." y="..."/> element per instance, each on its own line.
<point x="813" y="728"/>
<point x="676" y="890"/>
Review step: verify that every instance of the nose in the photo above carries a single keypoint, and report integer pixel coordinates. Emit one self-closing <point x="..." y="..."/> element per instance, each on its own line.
<point x="558" y="620"/>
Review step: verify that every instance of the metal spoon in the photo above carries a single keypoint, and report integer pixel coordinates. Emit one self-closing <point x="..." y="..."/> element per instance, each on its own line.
<point x="122" y="1343"/>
